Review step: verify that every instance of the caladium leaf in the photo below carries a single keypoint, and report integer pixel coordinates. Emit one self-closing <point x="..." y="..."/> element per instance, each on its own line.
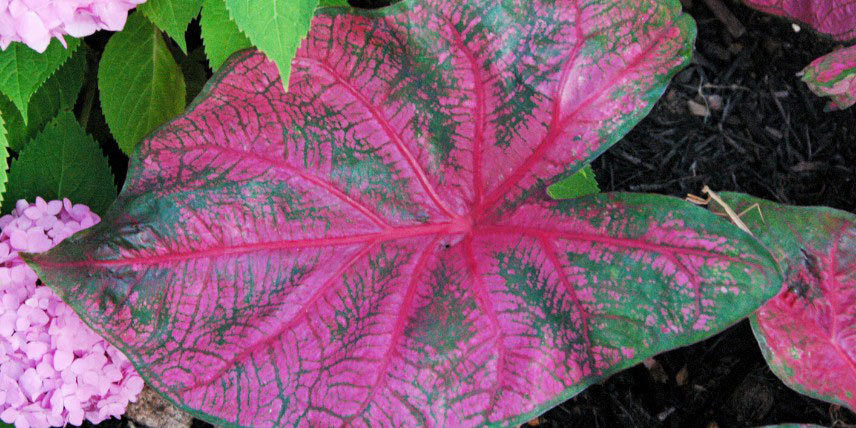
<point x="376" y="247"/>
<point x="836" y="18"/>
<point x="834" y="75"/>
<point x="808" y="332"/>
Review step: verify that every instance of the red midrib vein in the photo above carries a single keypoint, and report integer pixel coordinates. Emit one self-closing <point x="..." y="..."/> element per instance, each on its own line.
<point x="367" y="238"/>
<point x="558" y="124"/>
<point x="390" y="132"/>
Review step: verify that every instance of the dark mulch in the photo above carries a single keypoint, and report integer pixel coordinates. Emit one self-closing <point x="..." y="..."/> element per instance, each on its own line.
<point x="770" y="138"/>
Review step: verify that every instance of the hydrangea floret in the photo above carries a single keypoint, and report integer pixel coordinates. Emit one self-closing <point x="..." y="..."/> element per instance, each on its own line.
<point x="35" y="22"/>
<point x="53" y="369"/>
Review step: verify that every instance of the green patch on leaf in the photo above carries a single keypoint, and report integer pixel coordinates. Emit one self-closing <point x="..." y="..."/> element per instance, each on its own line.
<point x="333" y="3"/>
<point x="220" y="34"/>
<point x="172" y="16"/>
<point x="23" y="70"/>
<point x="276" y="27"/>
<point x="58" y="93"/>
<point x="140" y="83"/>
<point x="62" y="162"/>
<point x="580" y="184"/>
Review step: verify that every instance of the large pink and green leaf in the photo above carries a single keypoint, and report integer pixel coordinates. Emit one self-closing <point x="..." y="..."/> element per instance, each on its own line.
<point x="808" y="332"/>
<point x="834" y="75"/>
<point x="836" y="18"/>
<point x="376" y="247"/>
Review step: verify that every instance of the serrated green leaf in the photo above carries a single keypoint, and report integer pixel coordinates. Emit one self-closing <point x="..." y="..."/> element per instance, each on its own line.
<point x="23" y="70"/>
<point x="140" y="84"/>
<point x="220" y="34"/>
<point x="62" y="162"/>
<point x="333" y="3"/>
<point x="172" y="16"/>
<point x="580" y="184"/>
<point x="276" y="27"/>
<point x="4" y="158"/>
<point x="58" y="93"/>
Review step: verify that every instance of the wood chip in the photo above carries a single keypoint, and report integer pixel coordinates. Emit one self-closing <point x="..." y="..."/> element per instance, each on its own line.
<point x="682" y="376"/>
<point x="152" y="410"/>
<point x="656" y="369"/>
<point x="773" y="132"/>
<point x="697" y="109"/>
<point x="732" y="24"/>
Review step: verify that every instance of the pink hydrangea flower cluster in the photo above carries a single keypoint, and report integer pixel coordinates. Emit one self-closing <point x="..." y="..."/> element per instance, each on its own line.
<point x="34" y="22"/>
<point x="53" y="368"/>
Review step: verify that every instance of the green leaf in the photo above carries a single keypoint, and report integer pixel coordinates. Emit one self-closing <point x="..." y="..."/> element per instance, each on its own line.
<point x="172" y="16"/>
<point x="23" y="70"/>
<point x="140" y="83"/>
<point x="333" y="3"/>
<point x="274" y="26"/>
<point x="4" y="158"/>
<point x="580" y="184"/>
<point x="220" y="34"/>
<point x="193" y="66"/>
<point x="62" y="162"/>
<point x="58" y="93"/>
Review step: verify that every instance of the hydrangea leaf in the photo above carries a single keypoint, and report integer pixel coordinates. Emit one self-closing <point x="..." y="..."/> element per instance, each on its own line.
<point x="582" y="183"/>
<point x="62" y="162"/>
<point x="220" y="34"/>
<point x="836" y="18"/>
<point x="834" y="75"/>
<point x="4" y="156"/>
<point x="140" y="84"/>
<point x="58" y="93"/>
<point x="23" y="70"/>
<point x="276" y="27"/>
<point x="808" y="332"/>
<point x="172" y="16"/>
<point x="376" y="246"/>
<point x="333" y="3"/>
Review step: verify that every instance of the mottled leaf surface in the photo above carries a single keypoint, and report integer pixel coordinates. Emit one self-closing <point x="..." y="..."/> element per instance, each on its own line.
<point x="836" y="18"/>
<point x="808" y="332"/>
<point x="376" y="246"/>
<point x="834" y="75"/>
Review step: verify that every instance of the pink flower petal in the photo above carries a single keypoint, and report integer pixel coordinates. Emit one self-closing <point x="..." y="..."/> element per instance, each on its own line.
<point x="30" y="383"/>
<point x="62" y="359"/>
<point x="33" y="31"/>
<point x="53" y="369"/>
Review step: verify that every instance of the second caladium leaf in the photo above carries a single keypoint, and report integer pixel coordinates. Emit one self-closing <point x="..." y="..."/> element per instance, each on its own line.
<point x="836" y="18"/>
<point x="376" y="247"/>
<point x="808" y="332"/>
<point x="834" y="75"/>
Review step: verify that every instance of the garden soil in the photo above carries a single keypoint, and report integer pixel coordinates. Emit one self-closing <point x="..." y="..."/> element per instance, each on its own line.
<point x="738" y="119"/>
